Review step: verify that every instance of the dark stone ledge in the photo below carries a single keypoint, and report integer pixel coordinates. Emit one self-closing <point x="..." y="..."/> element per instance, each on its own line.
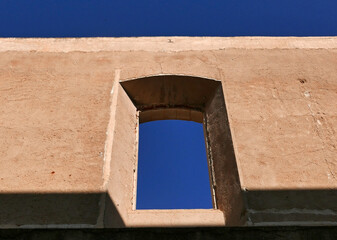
<point x="232" y="233"/>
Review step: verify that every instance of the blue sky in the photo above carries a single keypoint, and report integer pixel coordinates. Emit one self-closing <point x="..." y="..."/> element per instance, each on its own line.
<point x="122" y="18"/>
<point x="128" y="18"/>
<point x="172" y="166"/>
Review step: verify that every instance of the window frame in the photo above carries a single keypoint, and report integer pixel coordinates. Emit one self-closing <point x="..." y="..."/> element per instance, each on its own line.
<point x="124" y="207"/>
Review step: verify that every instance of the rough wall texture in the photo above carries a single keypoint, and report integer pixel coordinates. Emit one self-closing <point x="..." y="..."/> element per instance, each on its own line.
<point x="220" y="146"/>
<point x="55" y="97"/>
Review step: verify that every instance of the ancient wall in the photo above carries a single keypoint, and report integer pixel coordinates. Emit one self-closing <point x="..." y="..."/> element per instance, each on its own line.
<point x="65" y="120"/>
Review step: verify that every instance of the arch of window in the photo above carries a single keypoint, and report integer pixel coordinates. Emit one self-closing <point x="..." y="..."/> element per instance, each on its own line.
<point x="175" y="97"/>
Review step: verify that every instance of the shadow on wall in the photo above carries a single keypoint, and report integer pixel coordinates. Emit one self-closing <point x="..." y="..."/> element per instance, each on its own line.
<point x="292" y="207"/>
<point x="55" y="209"/>
<point x="78" y="210"/>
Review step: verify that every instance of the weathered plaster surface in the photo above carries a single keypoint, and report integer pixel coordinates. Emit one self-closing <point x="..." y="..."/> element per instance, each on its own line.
<point x="164" y="44"/>
<point x="55" y="101"/>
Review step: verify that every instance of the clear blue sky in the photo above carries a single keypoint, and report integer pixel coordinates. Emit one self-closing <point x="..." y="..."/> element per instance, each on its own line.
<point x="125" y="18"/>
<point x="172" y="166"/>
<point x="121" y="18"/>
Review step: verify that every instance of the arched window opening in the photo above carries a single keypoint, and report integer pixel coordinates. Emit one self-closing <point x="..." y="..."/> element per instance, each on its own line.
<point x="172" y="97"/>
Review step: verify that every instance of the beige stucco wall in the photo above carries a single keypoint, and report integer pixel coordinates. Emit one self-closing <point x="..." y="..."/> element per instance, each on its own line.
<point x="57" y="104"/>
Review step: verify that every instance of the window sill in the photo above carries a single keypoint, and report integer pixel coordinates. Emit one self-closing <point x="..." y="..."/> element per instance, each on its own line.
<point x="176" y="218"/>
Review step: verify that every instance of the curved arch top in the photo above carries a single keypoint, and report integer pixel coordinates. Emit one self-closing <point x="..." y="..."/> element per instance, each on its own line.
<point x="170" y="96"/>
<point x="159" y="75"/>
<point x="185" y="96"/>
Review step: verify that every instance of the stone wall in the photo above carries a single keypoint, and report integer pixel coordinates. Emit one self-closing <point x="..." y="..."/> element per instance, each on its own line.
<point x="58" y="130"/>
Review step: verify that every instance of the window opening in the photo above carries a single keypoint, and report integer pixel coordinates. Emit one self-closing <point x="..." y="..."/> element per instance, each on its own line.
<point x="174" y="97"/>
<point x="172" y="166"/>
